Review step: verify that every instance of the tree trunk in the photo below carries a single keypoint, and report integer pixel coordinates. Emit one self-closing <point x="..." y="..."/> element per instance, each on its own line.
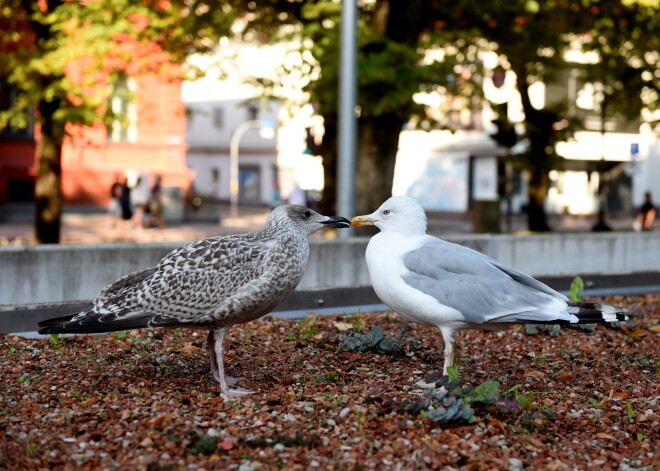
<point x="539" y="184"/>
<point x="535" y="122"/>
<point x="378" y="142"/>
<point x="48" y="194"/>
<point x="328" y="150"/>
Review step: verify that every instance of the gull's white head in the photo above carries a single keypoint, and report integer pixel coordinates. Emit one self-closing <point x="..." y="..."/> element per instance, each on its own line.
<point x="397" y="214"/>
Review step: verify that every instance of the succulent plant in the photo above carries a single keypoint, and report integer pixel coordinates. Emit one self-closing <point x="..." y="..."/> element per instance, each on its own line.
<point x="374" y="340"/>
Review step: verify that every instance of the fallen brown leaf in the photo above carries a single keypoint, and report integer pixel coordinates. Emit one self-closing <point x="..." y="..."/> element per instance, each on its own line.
<point x="162" y="418"/>
<point x="565" y="377"/>
<point x="534" y="374"/>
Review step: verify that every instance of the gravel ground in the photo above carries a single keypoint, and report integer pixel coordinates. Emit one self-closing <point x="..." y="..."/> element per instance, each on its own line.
<point x="145" y="399"/>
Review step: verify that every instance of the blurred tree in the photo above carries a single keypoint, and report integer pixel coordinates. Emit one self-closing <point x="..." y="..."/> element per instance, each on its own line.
<point x="624" y="71"/>
<point x="394" y="38"/>
<point x="61" y="58"/>
<point x="392" y="67"/>
<point x="533" y="36"/>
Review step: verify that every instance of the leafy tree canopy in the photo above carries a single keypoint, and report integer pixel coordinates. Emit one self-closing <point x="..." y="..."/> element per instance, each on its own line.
<point x="71" y="51"/>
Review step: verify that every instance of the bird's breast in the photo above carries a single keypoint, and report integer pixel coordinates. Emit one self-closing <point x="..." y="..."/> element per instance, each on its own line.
<point x="387" y="269"/>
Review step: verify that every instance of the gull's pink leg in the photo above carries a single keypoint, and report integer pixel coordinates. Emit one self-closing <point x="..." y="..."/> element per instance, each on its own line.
<point x="448" y="337"/>
<point x="216" y="353"/>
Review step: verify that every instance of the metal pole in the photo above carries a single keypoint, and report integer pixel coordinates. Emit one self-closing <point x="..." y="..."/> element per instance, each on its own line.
<point x="233" y="163"/>
<point x="347" y="118"/>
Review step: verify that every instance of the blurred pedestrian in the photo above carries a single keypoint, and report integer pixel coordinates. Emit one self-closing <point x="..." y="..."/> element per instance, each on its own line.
<point x="646" y="214"/>
<point x="140" y="198"/>
<point x="114" y="207"/>
<point x="155" y="207"/>
<point x="125" y="202"/>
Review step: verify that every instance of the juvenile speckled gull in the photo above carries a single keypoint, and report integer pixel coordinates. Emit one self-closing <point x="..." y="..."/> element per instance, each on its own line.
<point x="211" y="284"/>
<point x="434" y="282"/>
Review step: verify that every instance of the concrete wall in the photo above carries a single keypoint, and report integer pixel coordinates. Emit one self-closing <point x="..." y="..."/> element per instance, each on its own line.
<point x="34" y="274"/>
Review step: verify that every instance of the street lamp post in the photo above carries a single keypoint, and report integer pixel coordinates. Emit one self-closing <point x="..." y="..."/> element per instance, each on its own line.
<point x="264" y="125"/>
<point x="347" y="117"/>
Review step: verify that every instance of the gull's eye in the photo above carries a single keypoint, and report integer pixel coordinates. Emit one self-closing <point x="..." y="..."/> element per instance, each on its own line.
<point x="386" y="212"/>
<point x="307" y="213"/>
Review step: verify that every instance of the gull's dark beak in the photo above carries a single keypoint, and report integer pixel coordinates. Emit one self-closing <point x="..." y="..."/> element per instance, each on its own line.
<point x="336" y="221"/>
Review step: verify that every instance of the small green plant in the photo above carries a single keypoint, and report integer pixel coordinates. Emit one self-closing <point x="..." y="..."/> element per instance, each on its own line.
<point x="58" y="341"/>
<point x="306" y="329"/>
<point x="356" y="324"/>
<point x="574" y="292"/>
<point x="30" y="448"/>
<point x="120" y="335"/>
<point x="452" y="372"/>
<point x="640" y="437"/>
<point x="631" y="411"/>
<point x="327" y="378"/>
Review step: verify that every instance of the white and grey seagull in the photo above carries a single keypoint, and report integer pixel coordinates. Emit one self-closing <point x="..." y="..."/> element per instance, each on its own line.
<point x="437" y="283"/>
<point x="211" y="284"/>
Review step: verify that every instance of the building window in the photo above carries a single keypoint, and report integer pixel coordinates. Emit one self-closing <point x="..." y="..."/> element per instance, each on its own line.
<point x="218" y="118"/>
<point x="8" y="97"/>
<point x="124" y="111"/>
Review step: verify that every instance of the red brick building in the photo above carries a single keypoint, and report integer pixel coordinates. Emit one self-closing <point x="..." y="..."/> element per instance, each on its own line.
<point x="150" y="141"/>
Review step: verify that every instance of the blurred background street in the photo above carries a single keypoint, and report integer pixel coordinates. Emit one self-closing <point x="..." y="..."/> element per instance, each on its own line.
<point x="94" y="227"/>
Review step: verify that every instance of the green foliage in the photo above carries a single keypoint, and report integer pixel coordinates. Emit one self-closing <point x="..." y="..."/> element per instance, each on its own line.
<point x="356" y="324"/>
<point x="577" y="285"/>
<point x="452" y="372"/>
<point x="487" y="392"/>
<point x="31" y="448"/>
<point x="56" y="339"/>
<point x="306" y="329"/>
<point x="120" y="335"/>
<point x="72" y="52"/>
<point x="374" y="341"/>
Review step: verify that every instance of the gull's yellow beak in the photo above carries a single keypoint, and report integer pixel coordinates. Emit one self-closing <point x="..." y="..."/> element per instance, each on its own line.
<point x="358" y="221"/>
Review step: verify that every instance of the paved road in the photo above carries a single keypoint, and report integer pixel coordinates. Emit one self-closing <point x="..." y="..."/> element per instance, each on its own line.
<point x="92" y="228"/>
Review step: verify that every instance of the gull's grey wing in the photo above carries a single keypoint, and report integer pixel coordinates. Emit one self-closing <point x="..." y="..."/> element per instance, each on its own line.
<point x="189" y="281"/>
<point x="482" y="289"/>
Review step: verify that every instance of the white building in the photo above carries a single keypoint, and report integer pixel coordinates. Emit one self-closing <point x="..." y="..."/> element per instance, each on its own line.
<point x="221" y="101"/>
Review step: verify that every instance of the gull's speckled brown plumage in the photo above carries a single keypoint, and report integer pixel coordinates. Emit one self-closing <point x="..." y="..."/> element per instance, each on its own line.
<point x="210" y="284"/>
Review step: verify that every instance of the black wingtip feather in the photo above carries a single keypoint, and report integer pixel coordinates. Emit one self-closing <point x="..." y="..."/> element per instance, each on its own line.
<point x="592" y="313"/>
<point x="94" y="323"/>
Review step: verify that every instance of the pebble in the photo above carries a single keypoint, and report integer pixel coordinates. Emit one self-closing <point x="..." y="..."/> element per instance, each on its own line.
<point x="515" y="464"/>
